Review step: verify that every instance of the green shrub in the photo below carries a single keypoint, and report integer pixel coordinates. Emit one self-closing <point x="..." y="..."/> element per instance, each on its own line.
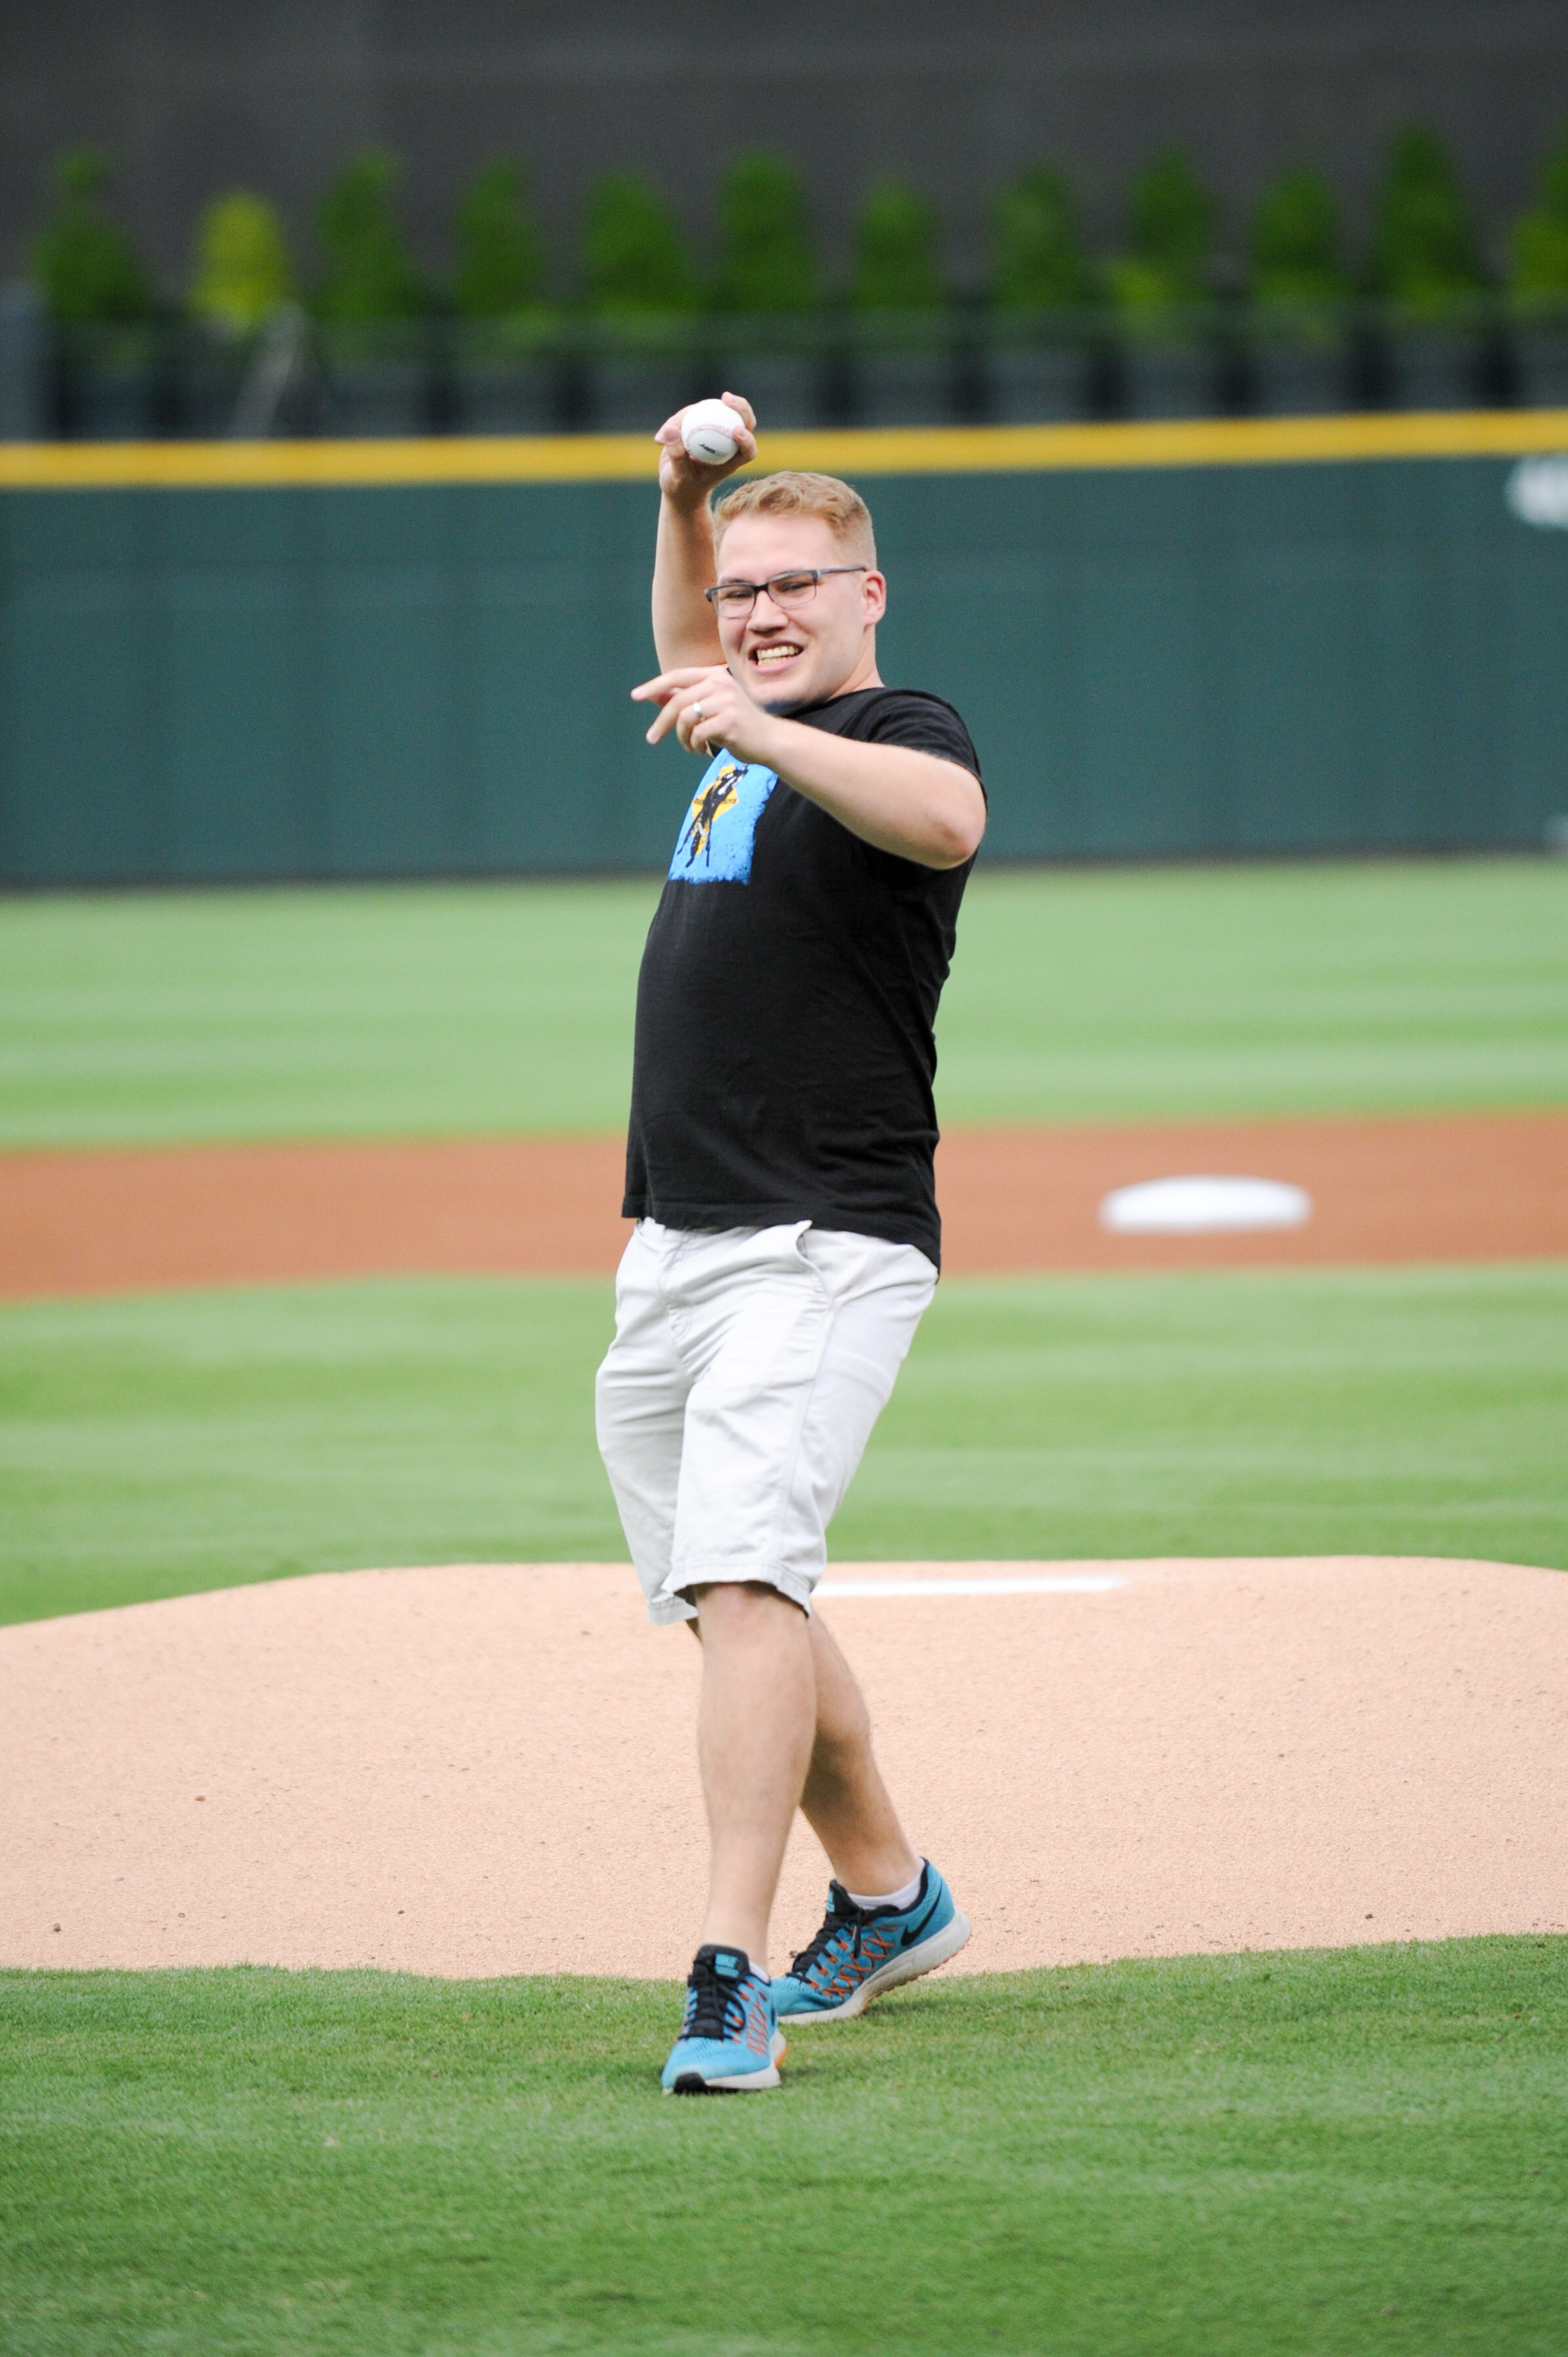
<point x="500" y="255"/>
<point x="1170" y="236"/>
<point x="1541" y="236"/>
<point x="370" y="271"/>
<point x="635" y="260"/>
<point x="897" y="266"/>
<point x="1295" y="241"/>
<point x="1423" y="244"/>
<point x="766" y="258"/>
<point x="85" y="265"/>
<point x="243" y="269"/>
<point x="1037" y="256"/>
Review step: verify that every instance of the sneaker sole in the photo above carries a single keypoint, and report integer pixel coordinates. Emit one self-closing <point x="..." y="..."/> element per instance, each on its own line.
<point x="747" y="2082"/>
<point x="924" y="1958"/>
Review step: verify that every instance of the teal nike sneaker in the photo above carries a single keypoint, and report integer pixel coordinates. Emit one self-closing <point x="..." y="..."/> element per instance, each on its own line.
<point x="730" y="2041"/>
<point x="862" y="1952"/>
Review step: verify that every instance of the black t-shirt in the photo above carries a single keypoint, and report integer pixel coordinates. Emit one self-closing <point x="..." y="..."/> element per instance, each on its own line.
<point x="785" y="1010"/>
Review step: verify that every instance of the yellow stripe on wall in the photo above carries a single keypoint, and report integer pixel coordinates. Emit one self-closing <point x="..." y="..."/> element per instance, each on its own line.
<point x="881" y="450"/>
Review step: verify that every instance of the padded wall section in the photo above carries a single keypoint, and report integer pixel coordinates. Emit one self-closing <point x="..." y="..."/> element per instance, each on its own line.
<point x="425" y="680"/>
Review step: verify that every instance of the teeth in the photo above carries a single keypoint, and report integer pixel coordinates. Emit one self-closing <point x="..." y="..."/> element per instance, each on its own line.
<point x="775" y="655"/>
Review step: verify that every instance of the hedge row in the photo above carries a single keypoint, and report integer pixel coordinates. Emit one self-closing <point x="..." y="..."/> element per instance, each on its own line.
<point x="633" y="261"/>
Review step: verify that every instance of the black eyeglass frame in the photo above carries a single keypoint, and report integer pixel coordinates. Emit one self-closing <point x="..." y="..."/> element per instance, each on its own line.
<point x="813" y="573"/>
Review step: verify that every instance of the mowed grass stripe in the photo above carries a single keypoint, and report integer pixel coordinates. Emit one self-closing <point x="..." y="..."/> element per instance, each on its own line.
<point x="1160" y="992"/>
<point x="497" y="1008"/>
<point x="1260" y="2156"/>
<point x="156" y="1445"/>
<point x="389" y="1011"/>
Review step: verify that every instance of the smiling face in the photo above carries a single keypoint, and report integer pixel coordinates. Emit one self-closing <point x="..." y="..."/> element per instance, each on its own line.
<point x="825" y="648"/>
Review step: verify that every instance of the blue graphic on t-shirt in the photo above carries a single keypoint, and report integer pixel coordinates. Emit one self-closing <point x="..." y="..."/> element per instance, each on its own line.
<point x="714" y="846"/>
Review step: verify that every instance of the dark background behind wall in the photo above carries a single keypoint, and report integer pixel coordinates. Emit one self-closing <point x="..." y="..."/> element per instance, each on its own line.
<point x="192" y="96"/>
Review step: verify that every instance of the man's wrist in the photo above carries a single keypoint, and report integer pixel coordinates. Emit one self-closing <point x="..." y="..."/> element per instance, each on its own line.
<point x="771" y="735"/>
<point x="687" y="505"/>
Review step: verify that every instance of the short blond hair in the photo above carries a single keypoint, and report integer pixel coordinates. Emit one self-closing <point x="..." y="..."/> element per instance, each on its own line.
<point x="791" y="492"/>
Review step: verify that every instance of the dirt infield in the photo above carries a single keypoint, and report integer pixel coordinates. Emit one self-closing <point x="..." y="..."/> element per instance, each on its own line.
<point x="478" y="1769"/>
<point x="1418" y="1188"/>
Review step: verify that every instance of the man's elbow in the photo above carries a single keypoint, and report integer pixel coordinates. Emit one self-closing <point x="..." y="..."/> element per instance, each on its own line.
<point x="957" y="827"/>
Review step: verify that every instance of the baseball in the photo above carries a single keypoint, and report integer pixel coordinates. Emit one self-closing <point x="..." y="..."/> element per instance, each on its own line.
<point x="708" y="430"/>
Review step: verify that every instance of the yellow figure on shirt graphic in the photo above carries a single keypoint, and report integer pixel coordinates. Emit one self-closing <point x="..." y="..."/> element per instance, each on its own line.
<point x="713" y="797"/>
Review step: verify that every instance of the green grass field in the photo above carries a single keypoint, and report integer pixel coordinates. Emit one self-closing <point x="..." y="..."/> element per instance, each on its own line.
<point x="1118" y="996"/>
<point x="1306" y="2156"/>
<point x="150" y="1446"/>
<point x="1264" y="2156"/>
<point x="153" y="1445"/>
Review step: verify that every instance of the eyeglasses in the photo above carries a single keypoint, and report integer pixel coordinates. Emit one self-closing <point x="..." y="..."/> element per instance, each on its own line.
<point x="786" y="590"/>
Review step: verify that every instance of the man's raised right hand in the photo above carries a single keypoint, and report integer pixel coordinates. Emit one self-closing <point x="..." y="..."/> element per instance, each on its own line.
<point x="681" y="479"/>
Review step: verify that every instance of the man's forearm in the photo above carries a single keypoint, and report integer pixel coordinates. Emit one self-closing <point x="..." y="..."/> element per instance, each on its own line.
<point x="684" y="630"/>
<point x="914" y="804"/>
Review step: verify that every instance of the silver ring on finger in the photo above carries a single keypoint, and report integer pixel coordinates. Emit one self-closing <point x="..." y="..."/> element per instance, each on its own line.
<point x="696" y="711"/>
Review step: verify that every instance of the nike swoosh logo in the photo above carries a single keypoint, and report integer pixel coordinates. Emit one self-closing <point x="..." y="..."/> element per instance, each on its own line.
<point x="908" y="1938"/>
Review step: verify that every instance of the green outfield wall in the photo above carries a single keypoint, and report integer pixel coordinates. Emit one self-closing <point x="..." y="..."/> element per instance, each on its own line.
<point x="225" y="661"/>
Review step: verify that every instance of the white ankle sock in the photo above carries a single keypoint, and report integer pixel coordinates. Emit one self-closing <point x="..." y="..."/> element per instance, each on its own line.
<point x="760" y="1970"/>
<point x="899" y="1899"/>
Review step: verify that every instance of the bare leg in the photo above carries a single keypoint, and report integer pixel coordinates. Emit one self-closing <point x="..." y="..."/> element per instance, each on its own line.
<point x="844" y="1798"/>
<point x="754" y="1743"/>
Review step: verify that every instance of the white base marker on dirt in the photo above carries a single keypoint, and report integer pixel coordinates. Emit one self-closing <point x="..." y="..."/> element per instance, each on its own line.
<point x="1204" y="1206"/>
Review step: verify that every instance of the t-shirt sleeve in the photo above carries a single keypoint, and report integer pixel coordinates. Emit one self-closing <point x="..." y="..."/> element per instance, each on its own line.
<point x="924" y="723"/>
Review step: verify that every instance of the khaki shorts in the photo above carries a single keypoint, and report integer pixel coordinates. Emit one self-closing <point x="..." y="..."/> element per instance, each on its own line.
<point x="747" y="1369"/>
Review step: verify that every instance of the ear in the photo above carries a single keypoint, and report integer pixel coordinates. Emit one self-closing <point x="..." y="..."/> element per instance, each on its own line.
<point x="874" y="589"/>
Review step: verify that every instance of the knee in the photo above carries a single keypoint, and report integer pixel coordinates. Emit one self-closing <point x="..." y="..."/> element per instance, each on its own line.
<point x="745" y="1609"/>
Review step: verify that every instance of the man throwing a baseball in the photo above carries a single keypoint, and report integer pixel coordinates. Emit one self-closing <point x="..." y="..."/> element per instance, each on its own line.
<point x="780" y="1171"/>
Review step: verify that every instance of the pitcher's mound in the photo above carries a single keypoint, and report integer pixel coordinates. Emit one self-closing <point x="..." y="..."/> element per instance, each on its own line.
<point x="488" y="1768"/>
